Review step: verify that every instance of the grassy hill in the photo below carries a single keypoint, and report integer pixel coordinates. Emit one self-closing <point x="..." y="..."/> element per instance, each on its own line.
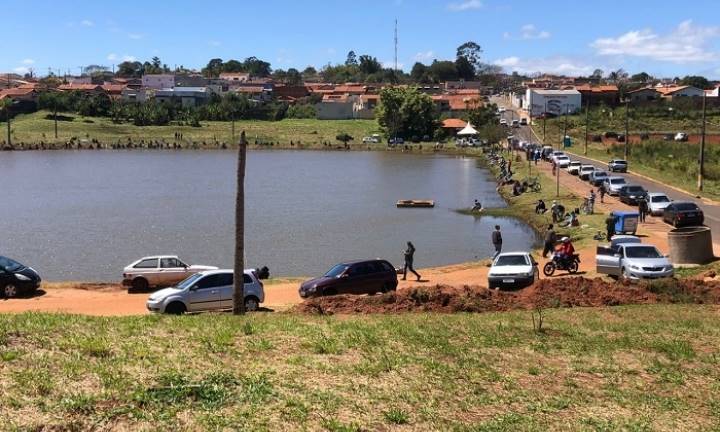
<point x="624" y="368"/>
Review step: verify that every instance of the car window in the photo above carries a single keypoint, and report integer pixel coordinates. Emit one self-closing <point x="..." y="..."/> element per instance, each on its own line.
<point x="9" y="264"/>
<point x="247" y="279"/>
<point x="643" y="252"/>
<point x="660" y="198"/>
<point x="336" y="271"/>
<point x="360" y="269"/>
<point x="226" y="279"/>
<point x="686" y="206"/>
<point x="211" y="281"/>
<point x="511" y="260"/>
<point x="386" y="266"/>
<point x="169" y="263"/>
<point x="148" y="263"/>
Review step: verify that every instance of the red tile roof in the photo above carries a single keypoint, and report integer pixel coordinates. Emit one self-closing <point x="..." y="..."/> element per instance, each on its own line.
<point x="453" y="123"/>
<point x="596" y="89"/>
<point x="83" y="87"/>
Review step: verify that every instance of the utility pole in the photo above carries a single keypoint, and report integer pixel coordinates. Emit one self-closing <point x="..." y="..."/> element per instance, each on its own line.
<point x="627" y="120"/>
<point x="557" y="167"/>
<point x="55" y="116"/>
<point x="396" y="45"/>
<point x="587" y="123"/>
<point x="702" y="145"/>
<point x="239" y="271"/>
<point x="544" y="119"/>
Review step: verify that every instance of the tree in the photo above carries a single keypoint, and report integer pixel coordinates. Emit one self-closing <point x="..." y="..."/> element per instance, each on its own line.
<point x="233" y="66"/>
<point x="239" y="271"/>
<point x="293" y="77"/>
<point x="351" y="59"/>
<point x="696" y="81"/>
<point x="257" y="67"/>
<point x="597" y="74"/>
<point x="406" y="112"/>
<point x="213" y="68"/>
<point x="419" y="73"/>
<point x="618" y="75"/>
<point x="443" y="71"/>
<point x="344" y="137"/>
<point x="642" y="77"/>
<point x="309" y="72"/>
<point x="369" y="65"/>
<point x="471" y="52"/>
<point x="465" y="69"/>
<point x="130" y="69"/>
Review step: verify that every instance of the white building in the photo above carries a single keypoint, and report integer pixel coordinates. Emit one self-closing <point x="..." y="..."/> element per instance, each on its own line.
<point x="552" y="101"/>
<point x="158" y="81"/>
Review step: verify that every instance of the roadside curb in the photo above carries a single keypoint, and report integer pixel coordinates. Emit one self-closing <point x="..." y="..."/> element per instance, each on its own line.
<point x="644" y="177"/>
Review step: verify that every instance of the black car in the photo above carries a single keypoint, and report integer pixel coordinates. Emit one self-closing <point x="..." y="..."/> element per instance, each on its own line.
<point x="354" y="277"/>
<point x="17" y="279"/>
<point x="630" y="194"/>
<point x="683" y="213"/>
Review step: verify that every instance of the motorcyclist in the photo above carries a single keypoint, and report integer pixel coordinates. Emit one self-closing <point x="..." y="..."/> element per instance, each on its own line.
<point x="565" y="251"/>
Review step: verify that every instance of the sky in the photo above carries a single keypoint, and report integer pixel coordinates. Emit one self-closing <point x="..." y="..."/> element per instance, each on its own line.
<point x="568" y="37"/>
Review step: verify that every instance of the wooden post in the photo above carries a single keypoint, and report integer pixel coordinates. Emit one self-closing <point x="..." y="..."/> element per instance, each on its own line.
<point x="239" y="272"/>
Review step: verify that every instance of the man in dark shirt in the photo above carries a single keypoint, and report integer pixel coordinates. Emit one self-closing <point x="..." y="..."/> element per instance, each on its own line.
<point x="409" y="255"/>
<point x="610" y="226"/>
<point x="549" y="241"/>
<point x="497" y="241"/>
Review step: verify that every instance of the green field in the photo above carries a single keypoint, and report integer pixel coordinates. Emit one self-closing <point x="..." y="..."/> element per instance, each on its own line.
<point x="35" y="127"/>
<point x="624" y="368"/>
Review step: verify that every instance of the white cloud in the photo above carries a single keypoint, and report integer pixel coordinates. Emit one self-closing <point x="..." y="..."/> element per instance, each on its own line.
<point x="87" y="23"/>
<point x="129" y="58"/>
<point x="28" y="61"/>
<point x="22" y="70"/>
<point x="112" y="56"/>
<point x="465" y="5"/>
<point x="528" y="32"/>
<point x="135" y="36"/>
<point x="424" y="56"/>
<point x="214" y="43"/>
<point x="686" y="43"/>
<point x="555" y="65"/>
<point x="115" y="57"/>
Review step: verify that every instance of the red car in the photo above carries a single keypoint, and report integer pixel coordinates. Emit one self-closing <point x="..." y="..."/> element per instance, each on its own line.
<point x="355" y="277"/>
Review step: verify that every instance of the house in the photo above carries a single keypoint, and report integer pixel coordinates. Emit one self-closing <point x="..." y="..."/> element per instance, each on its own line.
<point x="238" y="77"/>
<point x="194" y="80"/>
<point x="20" y="94"/>
<point x="539" y="101"/>
<point x="453" y="124"/>
<point x="114" y="90"/>
<point x="79" y="80"/>
<point x="456" y="102"/>
<point x="337" y="107"/>
<point x="714" y="92"/>
<point x="364" y="106"/>
<point x="131" y="94"/>
<point x="599" y="94"/>
<point x="478" y="86"/>
<point x="158" y="81"/>
<point x="672" y="92"/>
<point x="256" y="92"/>
<point x="288" y="92"/>
<point x="187" y="96"/>
<point x="83" y="88"/>
<point x="643" y="94"/>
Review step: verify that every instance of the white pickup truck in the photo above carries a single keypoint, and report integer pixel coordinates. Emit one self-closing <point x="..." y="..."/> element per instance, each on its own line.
<point x="626" y="257"/>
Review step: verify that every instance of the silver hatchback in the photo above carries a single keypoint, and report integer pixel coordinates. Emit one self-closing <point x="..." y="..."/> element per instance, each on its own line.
<point x="210" y="290"/>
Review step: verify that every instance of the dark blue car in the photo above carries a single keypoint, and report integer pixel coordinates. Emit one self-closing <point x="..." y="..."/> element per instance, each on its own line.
<point x="17" y="279"/>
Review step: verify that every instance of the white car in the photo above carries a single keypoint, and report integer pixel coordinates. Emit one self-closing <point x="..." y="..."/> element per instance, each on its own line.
<point x="513" y="270"/>
<point x="657" y="203"/>
<point x="585" y="171"/>
<point x="614" y="184"/>
<point x="503" y="122"/>
<point x="158" y="271"/>
<point x="524" y="121"/>
<point x="681" y="136"/>
<point x="574" y="167"/>
<point x="374" y="139"/>
<point x="210" y="290"/>
<point x="562" y="161"/>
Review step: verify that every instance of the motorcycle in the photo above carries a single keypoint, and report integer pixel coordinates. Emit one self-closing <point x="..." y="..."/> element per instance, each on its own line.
<point x="557" y="262"/>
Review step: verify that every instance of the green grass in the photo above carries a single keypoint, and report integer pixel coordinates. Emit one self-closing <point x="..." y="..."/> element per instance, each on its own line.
<point x="625" y="368"/>
<point x="34" y="128"/>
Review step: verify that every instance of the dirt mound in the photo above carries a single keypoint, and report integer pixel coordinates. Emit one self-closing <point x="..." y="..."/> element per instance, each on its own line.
<point x="566" y="292"/>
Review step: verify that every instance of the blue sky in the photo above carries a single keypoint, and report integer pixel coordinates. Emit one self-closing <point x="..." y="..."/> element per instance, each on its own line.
<point x="572" y="37"/>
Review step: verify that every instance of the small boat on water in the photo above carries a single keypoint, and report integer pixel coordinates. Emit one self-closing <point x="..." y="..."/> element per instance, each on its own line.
<point x="416" y="203"/>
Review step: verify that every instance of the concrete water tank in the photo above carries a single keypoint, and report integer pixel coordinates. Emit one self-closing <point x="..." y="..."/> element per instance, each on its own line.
<point x="690" y="245"/>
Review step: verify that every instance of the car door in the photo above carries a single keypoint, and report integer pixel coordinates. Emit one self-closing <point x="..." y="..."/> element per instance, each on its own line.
<point x="606" y="262"/>
<point x="148" y="268"/>
<point x="227" y="289"/>
<point x="205" y="294"/>
<point x="352" y="280"/>
<point x="171" y="271"/>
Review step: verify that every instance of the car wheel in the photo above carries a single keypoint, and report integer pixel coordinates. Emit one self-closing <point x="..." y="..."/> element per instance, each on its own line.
<point x="175" y="308"/>
<point x="624" y="274"/>
<point x="140" y="284"/>
<point x="10" y="291"/>
<point x="252" y="304"/>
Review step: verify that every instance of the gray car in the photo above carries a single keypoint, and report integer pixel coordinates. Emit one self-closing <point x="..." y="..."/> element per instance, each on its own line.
<point x="210" y="290"/>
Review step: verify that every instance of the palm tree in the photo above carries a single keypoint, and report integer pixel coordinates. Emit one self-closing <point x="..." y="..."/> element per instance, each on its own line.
<point x="239" y="272"/>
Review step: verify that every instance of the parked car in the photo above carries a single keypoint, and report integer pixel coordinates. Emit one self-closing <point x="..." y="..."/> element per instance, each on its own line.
<point x="373" y="139"/>
<point x="585" y="171"/>
<point x="562" y="161"/>
<point x="681" y="136"/>
<point x="617" y="165"/>
<point x="554" y="155"/>
<point x="620" y="138"/>
<point x="631" y="194"/>
<point x="546" y="152"/>
<point x="17" y="279"/>
<point x="683" y="213"/>
<point x="524" y="121"/>
<point x="668" y="137"/>
<point x="574" y="167"/>
<point x="513" y="270"/>
<point x="503" y="122"/>
<point x="628" y="258"/>
<point x="158" y="272"/>
<point x="395" y="141"/>
<point x="355" y="277"/>
<point x="516" y="123"/>
<point x="657" y="203"/>
<point x="611" y="134"/>
<point x="210" y="290"/>
<point x="598" y="177"/>
<point x="613" y="185"/>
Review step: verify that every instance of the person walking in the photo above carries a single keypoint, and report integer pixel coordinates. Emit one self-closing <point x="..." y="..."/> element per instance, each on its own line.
<point x="409" y="255"/>
<point x="642" y="208"/>
<point x="601" y="191"/>
<point x="497" y="241"/>
<point x="610" y="226"/>
<point x="549" y="240"/>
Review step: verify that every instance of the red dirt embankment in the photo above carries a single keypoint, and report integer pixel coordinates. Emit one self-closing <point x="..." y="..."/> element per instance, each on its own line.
<point x="566" y="292"/>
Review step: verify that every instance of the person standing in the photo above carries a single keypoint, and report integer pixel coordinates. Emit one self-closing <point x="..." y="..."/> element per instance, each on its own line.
<point x="642" y="208"/>
<point x="497" y="241"/>
<point x="409" y="255"/>
<point x="549" y="240"/>
<point x="610" y="226"/>
<point x="601" y="191"/>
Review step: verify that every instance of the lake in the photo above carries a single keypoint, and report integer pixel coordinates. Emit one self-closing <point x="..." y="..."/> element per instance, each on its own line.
<point x="85" y="215"/>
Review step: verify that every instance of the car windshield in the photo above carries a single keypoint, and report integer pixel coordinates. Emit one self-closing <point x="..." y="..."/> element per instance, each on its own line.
<point x="10" y="265"/>
<point x="618" y="162"/>
<point x="642" y="252"/>
<point x="336" y="271"/>
<point x="635" y="189"/>
<point x="511" y="260"/>
<point x="189" y="281"/>
<point x="600" y="174"/>
<point x="617" y="181"/>
<point x="686" y="206"/>
<point x="660" y="198"/>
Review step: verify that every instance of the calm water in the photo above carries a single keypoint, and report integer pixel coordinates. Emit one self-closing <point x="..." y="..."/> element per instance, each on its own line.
<point x="85" y="215"/>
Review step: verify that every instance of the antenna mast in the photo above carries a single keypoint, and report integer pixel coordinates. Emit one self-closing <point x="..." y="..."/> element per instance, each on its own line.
<point x="396" y="43"/>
